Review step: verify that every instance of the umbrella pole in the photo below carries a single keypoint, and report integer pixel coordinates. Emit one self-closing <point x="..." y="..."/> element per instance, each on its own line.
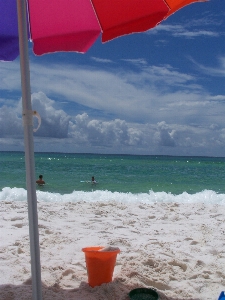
<point x="29" y="152"/>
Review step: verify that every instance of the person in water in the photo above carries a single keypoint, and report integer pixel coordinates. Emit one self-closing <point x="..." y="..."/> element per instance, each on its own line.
<point x="93" y="181"/>
<point x="40" y="181"/>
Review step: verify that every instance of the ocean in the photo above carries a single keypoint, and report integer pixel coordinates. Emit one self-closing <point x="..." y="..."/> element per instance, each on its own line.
<point x="119" y="177"/>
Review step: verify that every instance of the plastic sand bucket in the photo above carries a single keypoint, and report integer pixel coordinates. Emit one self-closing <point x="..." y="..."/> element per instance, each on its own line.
<point x="143" y="294"/>
<point x="100" y="264"/>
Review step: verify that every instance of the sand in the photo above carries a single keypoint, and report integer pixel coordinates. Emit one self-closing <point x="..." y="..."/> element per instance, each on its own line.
<point x="178" y="249"/>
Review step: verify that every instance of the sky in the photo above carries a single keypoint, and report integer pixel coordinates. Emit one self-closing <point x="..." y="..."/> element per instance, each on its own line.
<point x="161" y="92"/>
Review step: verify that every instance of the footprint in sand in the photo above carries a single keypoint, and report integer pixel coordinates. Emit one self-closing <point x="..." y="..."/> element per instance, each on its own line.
<point x="176" y="263"/>
<point x="18" y="225"/>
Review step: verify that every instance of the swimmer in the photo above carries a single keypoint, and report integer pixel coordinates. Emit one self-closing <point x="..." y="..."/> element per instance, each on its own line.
<point x="40" y="181"/>
<point x="93" y="181"/>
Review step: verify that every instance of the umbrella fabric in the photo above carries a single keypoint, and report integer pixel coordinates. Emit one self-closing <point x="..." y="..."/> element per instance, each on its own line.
<point x="9" y="40"/>
<point x="178" y="4"/>
<point x="128" y="16"/>
<point x="69" y="25"/>
<point x="74" y="25"/>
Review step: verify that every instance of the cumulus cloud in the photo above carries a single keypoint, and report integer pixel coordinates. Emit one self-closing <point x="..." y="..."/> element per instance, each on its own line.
<point x="118" y="134"/>
<point x="139" y="108"/>
<point x="113" y="133"/>
<point x="10" y="122"/>
<point x="163" y="136"/>
<point x="83" y="133"/>
<point x="54" y="122"/>
<point x="133" y="95"/>
<point x="58" y="124"/>
<point x="142" y="93"/>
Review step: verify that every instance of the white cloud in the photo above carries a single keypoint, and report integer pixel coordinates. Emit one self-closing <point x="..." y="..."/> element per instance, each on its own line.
<point x="218" y="71"/>
<point x="163" y="136"/>
<point x="54" y="122"/>
<point x="152" y="109"/>
<point x="94" y="132"/>
<point x="218" y="98"/>
<point x="10" y="123"/>
<point x="187" y="31"/>
<point x="10" y="76"/>
<point x="138" y="61"/>
<point x="83" y="133"/>
<point x="147" y="95"/>
<point x="101" y="60"/>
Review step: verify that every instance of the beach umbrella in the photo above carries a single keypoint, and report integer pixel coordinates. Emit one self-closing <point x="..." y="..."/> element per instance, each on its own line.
<point x="65" y="25"/>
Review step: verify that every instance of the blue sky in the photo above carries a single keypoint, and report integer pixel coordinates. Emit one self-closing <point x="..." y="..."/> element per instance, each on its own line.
<point x="161" y="92"/>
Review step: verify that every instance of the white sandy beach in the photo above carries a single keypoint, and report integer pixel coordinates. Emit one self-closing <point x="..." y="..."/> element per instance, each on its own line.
<point x="178" y="249"/>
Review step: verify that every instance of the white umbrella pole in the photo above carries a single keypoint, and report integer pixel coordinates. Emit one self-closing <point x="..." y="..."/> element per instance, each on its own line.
<point x="29" y="152"/>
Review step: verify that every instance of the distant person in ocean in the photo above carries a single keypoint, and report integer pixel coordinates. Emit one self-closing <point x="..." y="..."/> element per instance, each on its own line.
<point x="93" y="181"/>
<point x="40" y="181"/>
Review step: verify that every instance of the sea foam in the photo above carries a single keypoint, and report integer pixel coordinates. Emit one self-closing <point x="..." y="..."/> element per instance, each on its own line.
<point x="206" y="196"/>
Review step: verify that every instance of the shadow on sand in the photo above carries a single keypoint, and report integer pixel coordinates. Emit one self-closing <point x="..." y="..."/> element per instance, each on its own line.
<point x="115" y="290"/>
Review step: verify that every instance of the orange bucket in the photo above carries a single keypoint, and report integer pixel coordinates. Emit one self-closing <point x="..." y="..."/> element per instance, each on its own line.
<point x="100" y="265"/>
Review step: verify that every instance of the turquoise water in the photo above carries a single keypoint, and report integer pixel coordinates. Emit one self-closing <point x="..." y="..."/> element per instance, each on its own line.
<point x="65" y="173"/>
